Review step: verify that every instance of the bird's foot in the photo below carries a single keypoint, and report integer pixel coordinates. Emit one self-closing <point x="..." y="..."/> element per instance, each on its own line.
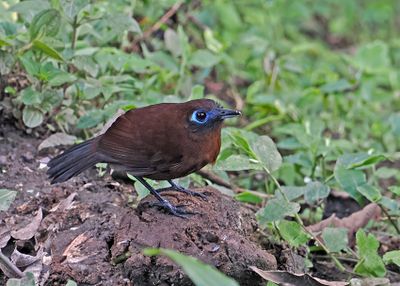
<point x="180" y="189"/>
<point x="178" y="210"/>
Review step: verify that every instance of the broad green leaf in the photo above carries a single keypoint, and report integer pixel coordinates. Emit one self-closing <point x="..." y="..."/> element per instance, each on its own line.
<point x="373" y="57"/>
<point x="267" y="153"/>
<point x="90" y="120"/>
<point x="204" y="59"/>
<point x="349" y="180"/>
<point x="358" y="160"/>
<point x="46" y="23"/>
<point x="29" y="96"/>
<point x="370" y="263"/>
<point x="335" y="238"/>
<point x="201" y="274"/>
<point x="30" y="66"/>
<point x="29" y="8"/>
<point x="395" y="190"/>
<point x="28" y="280"/>
<point x="276" y="209"/>
<point x="392" y="257"/>
<point x="47" y="50"/>
<point x="294" y="192"/>
<point x="71" y="283"/>
<point x="172" y="43"/>
<point x="32" y="117"/>
<point x="71" y="8"/>
<point x="236" y="163"/>
<point x="62" y="78"/>
<point x="336" y="86"/>
<point x="6" y="198"/>
<point x="293" y="233"/>
<point x="315" y="191"/>
<point x="394" y="121"/>
<point x="372" y="193"/>
<point x="248" y="197"/>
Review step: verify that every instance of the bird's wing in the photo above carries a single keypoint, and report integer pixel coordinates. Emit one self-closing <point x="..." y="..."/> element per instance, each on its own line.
<point x="142" y="147"/>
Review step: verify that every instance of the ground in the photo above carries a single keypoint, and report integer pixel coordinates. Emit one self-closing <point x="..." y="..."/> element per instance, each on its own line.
<point x="93" y="231"/>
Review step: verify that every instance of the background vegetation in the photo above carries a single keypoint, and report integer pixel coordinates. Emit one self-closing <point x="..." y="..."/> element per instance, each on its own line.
<point x="321" y="78"/>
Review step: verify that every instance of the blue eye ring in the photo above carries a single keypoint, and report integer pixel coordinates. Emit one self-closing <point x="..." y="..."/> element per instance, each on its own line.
<point x="199" y="117"/>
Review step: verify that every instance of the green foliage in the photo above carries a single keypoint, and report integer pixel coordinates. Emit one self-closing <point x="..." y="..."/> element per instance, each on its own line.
<point x="370" y="263"/>
<point x="318" y="78"/>
<point x="201" y="274"/>
<point x="28" y="280"/>
<point x="6" y="198"/>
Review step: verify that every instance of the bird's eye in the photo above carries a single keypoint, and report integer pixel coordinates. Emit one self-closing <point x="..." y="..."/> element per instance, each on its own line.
<point x="199" y="116"/>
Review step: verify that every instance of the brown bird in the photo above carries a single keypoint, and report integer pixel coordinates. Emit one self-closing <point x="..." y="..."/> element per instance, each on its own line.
<point x="160" y="142"/>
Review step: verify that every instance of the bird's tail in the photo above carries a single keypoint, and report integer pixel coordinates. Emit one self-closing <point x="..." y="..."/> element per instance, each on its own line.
<point x="73" y="161"/>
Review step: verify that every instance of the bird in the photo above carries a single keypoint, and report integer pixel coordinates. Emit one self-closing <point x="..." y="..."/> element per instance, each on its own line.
<point x="160" y="142"/>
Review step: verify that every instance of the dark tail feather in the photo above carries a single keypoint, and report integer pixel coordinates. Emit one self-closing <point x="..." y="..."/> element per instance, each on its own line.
<point x="73" y="161"/>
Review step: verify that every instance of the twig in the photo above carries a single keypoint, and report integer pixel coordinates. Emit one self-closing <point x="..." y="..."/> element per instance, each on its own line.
<point x="390" y="219"/>
<point x="215" y="179"/>
<point x="171" y="12"/>
<point x="10" y="266"/>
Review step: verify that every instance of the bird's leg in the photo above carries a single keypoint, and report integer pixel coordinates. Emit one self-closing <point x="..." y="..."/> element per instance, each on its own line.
<point x="178" y="188"/>
<point x="175" y="210"/>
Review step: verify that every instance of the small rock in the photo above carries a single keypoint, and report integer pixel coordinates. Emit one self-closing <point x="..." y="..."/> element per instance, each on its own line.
<point x="3" y="160"/>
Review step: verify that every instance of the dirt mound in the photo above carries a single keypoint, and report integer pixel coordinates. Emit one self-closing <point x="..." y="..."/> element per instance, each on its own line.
<point x="93" y="233"/>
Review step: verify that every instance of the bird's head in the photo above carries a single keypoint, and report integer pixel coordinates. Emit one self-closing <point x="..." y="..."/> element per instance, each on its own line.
<point x="206" y="114"/>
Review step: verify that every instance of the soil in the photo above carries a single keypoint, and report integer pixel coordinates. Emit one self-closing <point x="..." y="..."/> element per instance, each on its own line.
<point x="93" y="232"/>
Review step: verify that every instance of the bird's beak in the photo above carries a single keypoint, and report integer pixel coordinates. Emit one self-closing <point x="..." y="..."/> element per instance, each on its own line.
<point x="228" y="113"/>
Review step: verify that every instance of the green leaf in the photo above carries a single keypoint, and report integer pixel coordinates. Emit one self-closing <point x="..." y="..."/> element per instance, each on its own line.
<point x="46" y="23"/>
<point x="71" y="8"/>
<point x="372" y="193"/>
<point x="267" y="153"/>
<point x="248" y="197"/>
<point x="32" y="117"/>
<point x="201" y="274"/>
<point x="335" y="238"/>
<point x="211" y="42"/>
<point x="349" y="180"/>
<point x="90" y="120"/>
<point x="395" y="190"/>
<point x="370" y="263"/>
<point x="276" y="209"/>
<point x="358" y="160"/>
<point x="6" y="198"/>
<point x="204" y="59"/>
<point x="373" y="57"/>
<point x="293" y="233"/>
<point x="197" y="92"/>
<point x="4" y="43"/>
<point x="236" y="163"/>
<point x="62" y="78"/>
<point x="337" y="86"/>
<point x="28" y="280"/>
<point x="71" y="283"/>
<point x="315" y="191"/>
<point x="30" y="66"/>
<point x="392" y="257"/>
<point x="47" y="50"/>
<point x="29" y="96"/>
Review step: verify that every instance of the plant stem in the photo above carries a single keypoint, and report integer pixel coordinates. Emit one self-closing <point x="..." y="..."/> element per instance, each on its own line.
<point x="74" y="32"/>
<point x="301" y="223"/>
<point x="390" y="219"/>
<point x="14" y="269"/>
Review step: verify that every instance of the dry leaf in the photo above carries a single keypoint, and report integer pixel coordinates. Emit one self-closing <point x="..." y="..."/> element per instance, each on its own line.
<point x="353" y="222"/>
<point x="291" y="279"/>
<point x="56" y="140"/>
<point x="73" y="252"/>
<point x="29" y="231"/>
<point x="65" y="204"/>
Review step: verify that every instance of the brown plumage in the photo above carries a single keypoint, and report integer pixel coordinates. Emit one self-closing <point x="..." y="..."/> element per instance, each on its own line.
<point x="161" y="142"/>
